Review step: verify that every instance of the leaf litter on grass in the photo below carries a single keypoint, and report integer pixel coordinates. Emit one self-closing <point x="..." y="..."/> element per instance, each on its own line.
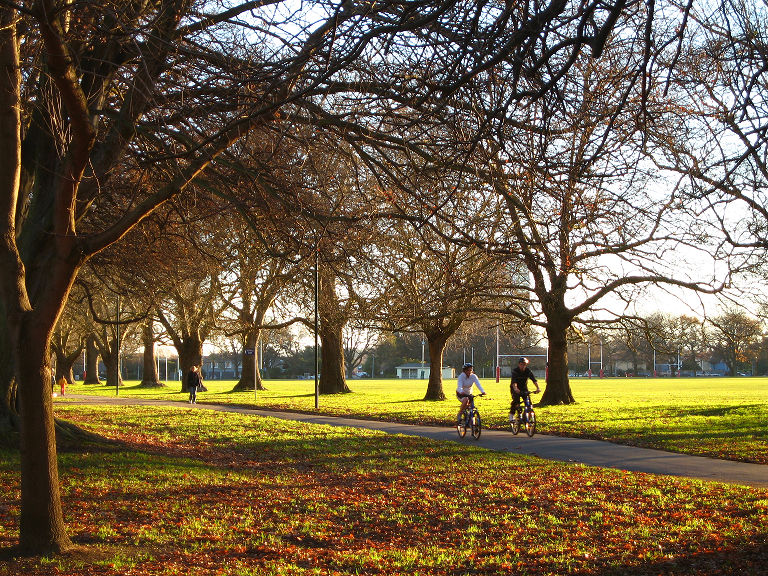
<point x="196" y="493"/>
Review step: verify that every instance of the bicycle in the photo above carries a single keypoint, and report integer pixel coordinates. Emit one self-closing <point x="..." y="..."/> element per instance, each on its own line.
<point x="527" y="417"/>
<point x="470" y="418"/>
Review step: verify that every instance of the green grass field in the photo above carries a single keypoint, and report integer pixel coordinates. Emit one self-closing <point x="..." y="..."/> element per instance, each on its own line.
<point x="195" y="492"/>
<point x="719" y="417"/>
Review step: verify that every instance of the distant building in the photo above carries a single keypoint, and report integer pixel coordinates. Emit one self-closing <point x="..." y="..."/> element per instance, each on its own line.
<point x="417" y="370"/>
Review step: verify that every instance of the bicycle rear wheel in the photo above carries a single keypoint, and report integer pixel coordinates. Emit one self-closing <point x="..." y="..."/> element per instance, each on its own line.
<point x="515" y="424"/>
<point x="476" y="425"/>
<point x="530" y="423"/>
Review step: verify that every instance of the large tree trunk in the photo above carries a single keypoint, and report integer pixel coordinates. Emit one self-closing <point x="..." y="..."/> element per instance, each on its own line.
<point x="332" y="375"/>
<point x="64" y="364"/>
<point x="435" y="383"/>
<point x="190" y="354"/>
<point x="558" y="388"/>
<point x="91" y="361"/>
<point x="42" y="520"/>
<point x="332" y="320"/>
<point x="250" y="372"/>
<point x="8" y="390"/>
<point x="111" y="359"/>
<point x="150" y="378"/>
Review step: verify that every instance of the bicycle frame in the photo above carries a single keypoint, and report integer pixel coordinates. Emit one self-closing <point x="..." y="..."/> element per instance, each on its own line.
<point x="527" y="404"/>
<point x="470" y="418"/>
<point x="525" y="416"/>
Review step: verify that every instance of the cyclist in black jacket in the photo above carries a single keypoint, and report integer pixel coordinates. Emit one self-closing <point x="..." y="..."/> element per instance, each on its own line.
<point x="519" y="384"/>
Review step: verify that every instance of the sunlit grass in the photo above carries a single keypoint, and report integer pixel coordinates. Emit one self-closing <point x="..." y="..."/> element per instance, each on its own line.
<point x="199" y="492"/>
<point x="719" y="417"/>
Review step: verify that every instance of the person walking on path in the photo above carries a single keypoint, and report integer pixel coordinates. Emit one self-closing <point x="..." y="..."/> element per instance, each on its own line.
<point x="193" y="382"/>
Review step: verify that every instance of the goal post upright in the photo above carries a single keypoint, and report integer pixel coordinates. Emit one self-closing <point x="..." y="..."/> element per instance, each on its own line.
<point x="499" y="357"/>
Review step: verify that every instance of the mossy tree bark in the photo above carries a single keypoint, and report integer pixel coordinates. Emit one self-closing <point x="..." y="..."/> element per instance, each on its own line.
<point x="149" y="378"/>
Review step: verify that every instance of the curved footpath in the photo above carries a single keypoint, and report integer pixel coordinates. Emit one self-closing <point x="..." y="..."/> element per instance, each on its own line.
<point x="576" y="450"/>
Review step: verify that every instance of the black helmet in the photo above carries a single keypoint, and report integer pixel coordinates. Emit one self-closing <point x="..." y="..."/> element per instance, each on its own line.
<point x="523" y="360"/>
<point x="467" y="365"/>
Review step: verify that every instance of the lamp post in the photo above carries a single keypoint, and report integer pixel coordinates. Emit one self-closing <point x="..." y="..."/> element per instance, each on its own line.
<point x="117" y="345"/>
<point x="317" y="298"/>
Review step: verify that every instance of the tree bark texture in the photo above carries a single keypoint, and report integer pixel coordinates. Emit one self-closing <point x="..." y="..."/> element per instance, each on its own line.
<point x="190" y="351"/>
<point x="332" y="372"/>
<point x="558" y="388"/>
<point x="435" y="383"/>
<point x="91" y="361"/>
<point x="64" y="364"/>
<point x="150" y="377"/>
<point x="42" y="521"/>
<point x="250" y="372"/>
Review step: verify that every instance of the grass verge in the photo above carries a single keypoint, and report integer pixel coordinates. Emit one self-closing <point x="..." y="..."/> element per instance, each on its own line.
<point x="718" y="417"/>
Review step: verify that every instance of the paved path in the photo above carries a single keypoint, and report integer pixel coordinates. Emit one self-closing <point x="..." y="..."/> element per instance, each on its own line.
<point x="576" y="450"/>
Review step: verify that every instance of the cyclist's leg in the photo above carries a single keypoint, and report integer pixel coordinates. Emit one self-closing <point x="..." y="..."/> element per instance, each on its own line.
<point x="514" y="407"/>
<point x="464" y="403"/>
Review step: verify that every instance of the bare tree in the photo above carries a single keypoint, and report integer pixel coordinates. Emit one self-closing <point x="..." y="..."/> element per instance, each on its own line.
<point x="738" y="336"/>
<point x="432" y="285"/>
<point x="585" y="214"/>
<point x="720" y="143"/>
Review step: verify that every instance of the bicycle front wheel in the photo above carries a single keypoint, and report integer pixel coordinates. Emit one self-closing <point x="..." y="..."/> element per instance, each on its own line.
<point x="476" y="425"/>
<point x="530" y="424"/>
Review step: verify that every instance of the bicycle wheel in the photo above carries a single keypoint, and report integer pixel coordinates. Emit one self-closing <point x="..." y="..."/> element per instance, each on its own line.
<point x="530" y="423"/>
<point x="515" y="424"/>
<point x="476" y="425"/>
<point x="461" y="426"/>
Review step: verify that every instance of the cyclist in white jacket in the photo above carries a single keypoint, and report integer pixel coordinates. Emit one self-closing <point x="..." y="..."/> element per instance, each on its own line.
<point x="467" y="378"/>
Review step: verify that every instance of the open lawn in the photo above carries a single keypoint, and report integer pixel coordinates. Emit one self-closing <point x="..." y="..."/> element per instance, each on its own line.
<point x="719" y="417"/>
<point x="196" y="492"/>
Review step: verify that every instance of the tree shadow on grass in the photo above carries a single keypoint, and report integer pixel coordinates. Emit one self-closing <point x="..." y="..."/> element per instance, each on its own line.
<point x="721" y="410"/>
<point x="17" y="561"/>
<point x="748" y="559"/>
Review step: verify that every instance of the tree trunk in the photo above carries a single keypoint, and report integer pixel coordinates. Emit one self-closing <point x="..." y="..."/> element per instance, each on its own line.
<point x="64" y="364"/>
<point x="8" y="390"/>
<point x="332" y="380"/>
<point x="111" y="359"/>
<point x="150" y="378"/>
<point x="558" y="387"/>
<point x="91" y="361"/>
<point x="42" y="520"/>
<point x="332" y="320"/>
<point x="190" y="354"/>
<point x="63" y="369"/>
<point x="435" y="383"/>
<point x="250" y="372"/>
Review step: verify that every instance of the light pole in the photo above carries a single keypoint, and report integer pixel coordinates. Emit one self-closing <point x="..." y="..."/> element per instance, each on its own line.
<point x="317" y="298"/>
<point x="117" y="345"/>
